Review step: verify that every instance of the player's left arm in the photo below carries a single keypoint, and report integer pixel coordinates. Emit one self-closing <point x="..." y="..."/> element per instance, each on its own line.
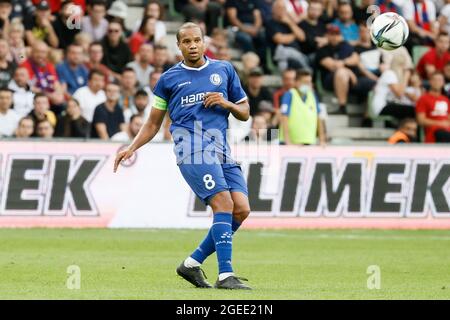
<point x="240" y="111"/>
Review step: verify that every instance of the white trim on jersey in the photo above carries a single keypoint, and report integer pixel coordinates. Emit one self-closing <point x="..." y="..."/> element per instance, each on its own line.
<point x="195" y="69"/>
<point x="241" y="100"/>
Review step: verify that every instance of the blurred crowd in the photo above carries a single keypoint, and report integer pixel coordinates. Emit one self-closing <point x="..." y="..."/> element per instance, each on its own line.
<point x="76" y="69"/>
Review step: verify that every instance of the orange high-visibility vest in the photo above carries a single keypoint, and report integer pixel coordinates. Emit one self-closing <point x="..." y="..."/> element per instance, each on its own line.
<point x="397" y="137"/>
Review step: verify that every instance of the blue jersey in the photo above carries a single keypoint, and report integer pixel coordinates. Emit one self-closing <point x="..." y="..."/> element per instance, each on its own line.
<point x="180" y="91"/>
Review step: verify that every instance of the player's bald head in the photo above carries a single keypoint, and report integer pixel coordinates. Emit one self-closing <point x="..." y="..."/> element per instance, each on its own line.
<point x="185" y="27"/>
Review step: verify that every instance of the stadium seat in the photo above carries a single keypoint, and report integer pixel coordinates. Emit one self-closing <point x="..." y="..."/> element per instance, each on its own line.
<point x="173" y="26"/>
<point x="418" y="52"/>
<point x="334" y="121"/>
<point x="235" y="53"/>
<point x="421" y="133"/>
<point x="221" y="22"/>
<point x="273" y="81"/>
<point x="319" y="87"/>
<point x="173" y="14"/>
<point x="270" y="63"/>
<point x="137" y="3"/>
<point x="327" y="97"/>
<point x="361" y="134"/>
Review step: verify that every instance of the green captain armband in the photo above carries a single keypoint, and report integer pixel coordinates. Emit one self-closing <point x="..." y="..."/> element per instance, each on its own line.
<point x="160" y="103"/>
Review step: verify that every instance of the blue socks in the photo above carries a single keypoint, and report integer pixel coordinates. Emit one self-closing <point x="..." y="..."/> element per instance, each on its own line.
<point x="222" y="235"/>
<point x="208" y="247"/>
<point x="205" y="249"/>
<point x="235" y="226"/>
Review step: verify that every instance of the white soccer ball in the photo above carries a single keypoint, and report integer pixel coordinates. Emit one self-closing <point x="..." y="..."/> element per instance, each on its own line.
<point x="389" y="31"/>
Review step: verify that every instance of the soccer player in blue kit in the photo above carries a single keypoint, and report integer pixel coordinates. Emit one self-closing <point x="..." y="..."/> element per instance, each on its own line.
<point x="199" y="93"/>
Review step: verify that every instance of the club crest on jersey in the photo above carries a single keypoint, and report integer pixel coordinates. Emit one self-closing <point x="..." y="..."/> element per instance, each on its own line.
<point x="215" y="79"/>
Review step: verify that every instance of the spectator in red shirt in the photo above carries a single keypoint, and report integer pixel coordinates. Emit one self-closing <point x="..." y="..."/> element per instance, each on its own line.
<point x="43" y="74"/>
<point x="146" y="34"/>
<point x="55" y="5"/>
<point x="433" y="112"/>
<point x="288" y="82"/>
<point x="436" y="58"/>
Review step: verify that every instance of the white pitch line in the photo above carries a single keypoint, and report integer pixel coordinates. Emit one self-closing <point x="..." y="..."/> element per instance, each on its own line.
<point x="350" y="236"/>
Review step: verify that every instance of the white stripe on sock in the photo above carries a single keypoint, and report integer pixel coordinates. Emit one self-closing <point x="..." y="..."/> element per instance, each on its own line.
<point x="229" y="224"/>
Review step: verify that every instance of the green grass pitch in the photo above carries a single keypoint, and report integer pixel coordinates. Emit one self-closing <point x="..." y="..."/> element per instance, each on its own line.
<point x="280" y="264"/>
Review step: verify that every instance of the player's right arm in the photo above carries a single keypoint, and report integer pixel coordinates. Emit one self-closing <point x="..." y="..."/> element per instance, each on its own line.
<point x="145" y="135"/>
<point x="153" y="123"/>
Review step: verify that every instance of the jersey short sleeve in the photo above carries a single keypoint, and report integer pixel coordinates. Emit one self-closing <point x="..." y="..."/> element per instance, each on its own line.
<point x="286" y="100"/>
<point x="235" y="92"/>
<point x="162" y="94"/>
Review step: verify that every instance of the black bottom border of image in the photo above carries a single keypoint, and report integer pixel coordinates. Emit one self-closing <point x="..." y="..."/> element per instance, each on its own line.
<point x="221" y="309"/>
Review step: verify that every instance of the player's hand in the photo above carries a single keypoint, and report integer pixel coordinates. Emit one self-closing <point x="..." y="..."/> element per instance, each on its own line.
<point x="122" y="156"/>
<point x="214" y="98"/>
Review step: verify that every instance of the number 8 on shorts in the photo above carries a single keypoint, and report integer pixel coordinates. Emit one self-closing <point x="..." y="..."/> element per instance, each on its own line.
<point x="209" y="182"/>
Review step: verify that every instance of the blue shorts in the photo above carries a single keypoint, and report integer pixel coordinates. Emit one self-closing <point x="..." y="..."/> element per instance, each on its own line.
<point x="207" y="180"/>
